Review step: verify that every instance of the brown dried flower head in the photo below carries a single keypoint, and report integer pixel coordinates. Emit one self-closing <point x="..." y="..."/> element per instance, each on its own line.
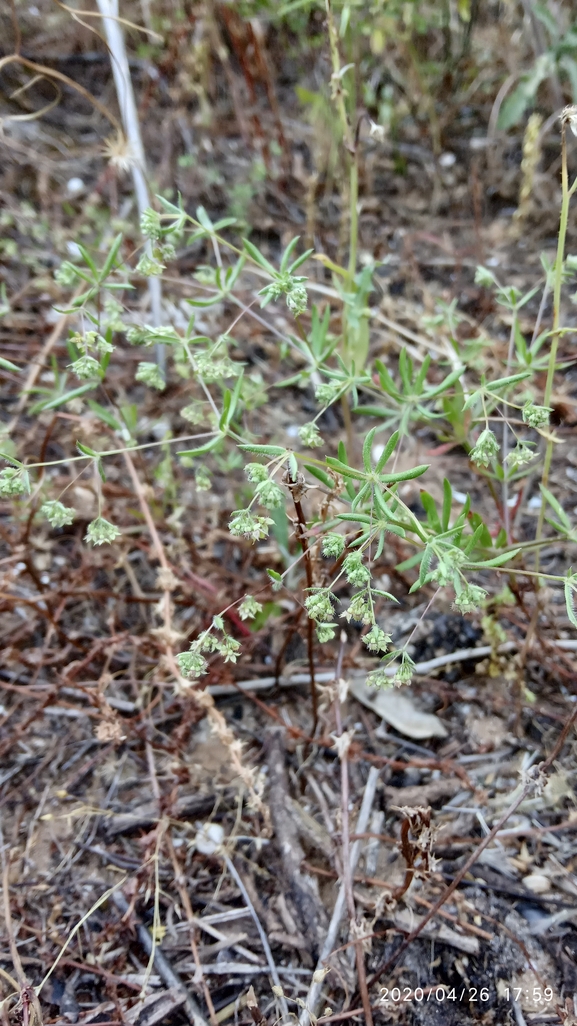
<point x="569" y="117"/>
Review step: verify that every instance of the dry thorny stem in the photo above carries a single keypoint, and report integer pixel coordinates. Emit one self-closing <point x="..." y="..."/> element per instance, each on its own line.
<point x="342" y="742"/>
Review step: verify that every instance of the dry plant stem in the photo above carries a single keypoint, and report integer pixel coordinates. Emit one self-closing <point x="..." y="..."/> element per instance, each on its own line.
<point x="315" y="989"/>
<point x="567" y="192"/>
<point x="524" y="792"/>
<point x="165" y="970"/>
<point x="161" y="556"/>
<point x="301" y="888"/>
<point x="345" y="840"/>
<point x="28" y="996"/>
<point x="203" y="698"/>
<point x="505" y="447"/>
<point x="180" y="883"/>
<point x="51" y="73"/>
<point x="263" y="937"/>
<point x="302" y="534"/>
<point x="129" y="115"/>
<point x="37" y="364"/>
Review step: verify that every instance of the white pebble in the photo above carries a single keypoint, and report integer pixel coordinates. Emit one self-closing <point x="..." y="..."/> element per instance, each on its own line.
<point x="447" y="159"/>
<point x="74" y="185"/>
<point x="537" y="882"/>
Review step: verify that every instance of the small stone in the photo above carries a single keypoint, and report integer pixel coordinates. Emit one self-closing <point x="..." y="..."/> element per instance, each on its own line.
<point x="538" y="883"/>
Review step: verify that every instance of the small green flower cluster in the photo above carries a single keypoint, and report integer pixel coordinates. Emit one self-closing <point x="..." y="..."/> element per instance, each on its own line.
<point x="291" y="286"/>
<point x="377" y="640"/>
<point x="57" y="514"/>
<point x="269" y="494"/>
<point x="249" y="608"/>
<point x="319" y="606"/>
<point x="356" y="572"/>
<point x="67" y="274"/>
<point x="193" y="663"/>
<point x="195" y="412"/>
<point x="256" y="472"/>
<point x="149" y="267"/>
<point x="13" y="481"/>
<point x="384" y="680"/>
<point x="536" y="416"/>
<point x="87" y="366"/>
<point x="485" y="450"/>
<point x="309" y="435"/>
<point x="146" y="335"/>
<point x="211" y="369"/>
<point x="151" y="228"/>
<point x="520" y="455"/>
<point x="101" y="532"/>
<point x="202" y="481"/>
<point x="450" y="559"/>
<point x="333" y="545"/>
<point x="151" y="375"/>
<point x="244" y="524"/>
<point x="327" y="393"/>
<point x="469" y="597"/>
<point x="150" y="224"/>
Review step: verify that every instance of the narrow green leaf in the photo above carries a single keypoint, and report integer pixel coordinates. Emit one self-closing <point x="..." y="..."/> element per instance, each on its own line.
<point x="556" y="506"/>
<point x="87" y="451"/>
<point x="447" y="503"/>
<point x="264" y="450"/>
<point x="60" y="400"/>
<point x="10" y="459"/>
<point x="258" y="258"/>
<point x="320" y="476"/>
<point x="293" y="466"/>
<point x="367" y="447"/>
<point x="409" y="563"/>
<point x="430" y="509"/>
<point x="356" y="518"/>
<point x="570" y="592"/>
<point x="511" y="380"/>
<point x="447" y="382"/>
<point x="104" y="415"/>
<point x="6" y="365"/>
<point x="505" y="557"/>
<point x="88" y="259"/>
<point x="405" y="475"/>
<point x="384" y="594"/>
<point x="109" y="262"/>
<point x="387" y="452"/>
<point x="287" y="254"/>
<point x="473" y="398"/>
<point x="425" y="564"/>
<point x="300" y="260"/>
<point x="341" y="468"/>
<point x="387" y="383"/>
<point x="202" y="448"/>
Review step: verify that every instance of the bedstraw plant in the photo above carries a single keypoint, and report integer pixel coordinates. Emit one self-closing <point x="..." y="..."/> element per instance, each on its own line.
<point x="502" y="422"/>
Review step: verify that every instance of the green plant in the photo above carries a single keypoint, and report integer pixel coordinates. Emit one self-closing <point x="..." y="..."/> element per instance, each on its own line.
<point x="556" y="57"/>
<point x="498" y="420"/>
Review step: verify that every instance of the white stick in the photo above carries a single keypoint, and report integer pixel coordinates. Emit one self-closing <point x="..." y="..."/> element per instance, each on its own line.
<point x="129" y="114"/>
<point x="419" y="669"/>
<point x="263" y="937"/>
<point x="315" y="988"/>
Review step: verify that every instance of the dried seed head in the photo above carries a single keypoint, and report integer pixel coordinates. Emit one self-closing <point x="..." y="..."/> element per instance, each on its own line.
<point x="117" y="151"/>
<point x="569" y="117"/>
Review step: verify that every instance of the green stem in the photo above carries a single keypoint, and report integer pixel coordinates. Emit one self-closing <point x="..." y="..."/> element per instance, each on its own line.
<point x="555" y="334"/>
<point x="354" y="216"/>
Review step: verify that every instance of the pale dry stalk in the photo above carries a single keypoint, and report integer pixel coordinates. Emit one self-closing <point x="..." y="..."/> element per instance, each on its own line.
<point x="168" y="636"/>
